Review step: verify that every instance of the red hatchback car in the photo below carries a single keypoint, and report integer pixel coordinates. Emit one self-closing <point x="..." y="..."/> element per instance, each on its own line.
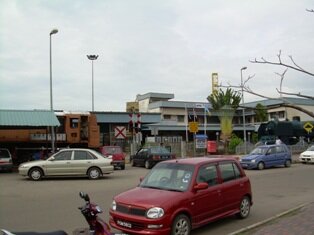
<point x="177" y="196"/>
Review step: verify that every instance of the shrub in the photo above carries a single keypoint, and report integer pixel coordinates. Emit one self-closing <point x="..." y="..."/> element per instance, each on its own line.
<point x="234" y="142"/>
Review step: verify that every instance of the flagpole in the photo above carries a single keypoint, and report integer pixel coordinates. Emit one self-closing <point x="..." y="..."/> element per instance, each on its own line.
<point x="205" y="121"/>
<point x="186" y="124"/>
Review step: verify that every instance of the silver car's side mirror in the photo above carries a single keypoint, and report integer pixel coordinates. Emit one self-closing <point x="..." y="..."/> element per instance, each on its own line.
<point x="51" y="159"/>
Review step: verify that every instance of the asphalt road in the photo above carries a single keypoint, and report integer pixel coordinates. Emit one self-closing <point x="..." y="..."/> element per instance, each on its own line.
<point x="52" y="204"/>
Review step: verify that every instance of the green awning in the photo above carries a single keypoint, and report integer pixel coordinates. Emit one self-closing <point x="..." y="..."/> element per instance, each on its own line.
<point x="40" y="118"/>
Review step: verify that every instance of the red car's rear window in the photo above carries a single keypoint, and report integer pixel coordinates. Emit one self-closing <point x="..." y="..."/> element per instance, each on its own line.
<point x="112" y="150"/>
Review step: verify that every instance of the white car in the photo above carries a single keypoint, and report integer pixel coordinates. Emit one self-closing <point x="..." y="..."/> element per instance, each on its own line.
<point x="307" y="156"/>
<point x="68" y="162"/>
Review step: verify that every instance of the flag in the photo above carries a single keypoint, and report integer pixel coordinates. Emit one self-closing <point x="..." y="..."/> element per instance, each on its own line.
<point x="194" y="113"/>
<point x="207" y="110"/>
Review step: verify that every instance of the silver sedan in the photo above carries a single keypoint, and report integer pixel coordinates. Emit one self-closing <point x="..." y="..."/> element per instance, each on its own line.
<point x="68" y="162"/>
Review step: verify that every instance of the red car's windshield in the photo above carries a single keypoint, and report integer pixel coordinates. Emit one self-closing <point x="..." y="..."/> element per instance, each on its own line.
<point x="168" y="176"/>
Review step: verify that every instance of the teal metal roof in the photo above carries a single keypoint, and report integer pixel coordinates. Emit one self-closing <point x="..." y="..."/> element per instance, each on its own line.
<point x="278" y="101"/>
<point x="123" y="117"/>
<point x="28" y="118"/>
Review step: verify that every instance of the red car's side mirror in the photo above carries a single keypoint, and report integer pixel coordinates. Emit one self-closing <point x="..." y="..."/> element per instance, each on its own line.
<point x="200" y="186"/>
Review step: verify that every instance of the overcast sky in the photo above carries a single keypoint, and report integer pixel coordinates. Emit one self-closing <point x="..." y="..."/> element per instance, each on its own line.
<point x="167" y="46"/>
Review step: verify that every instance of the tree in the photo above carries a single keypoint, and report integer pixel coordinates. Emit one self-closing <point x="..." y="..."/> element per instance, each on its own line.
<point x="292" y="65"/>
<point x="224" y="105"/>
<point x="261" y="113"/>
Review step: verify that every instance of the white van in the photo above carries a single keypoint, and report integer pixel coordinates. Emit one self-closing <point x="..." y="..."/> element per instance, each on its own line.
<point x="5" y="160"/>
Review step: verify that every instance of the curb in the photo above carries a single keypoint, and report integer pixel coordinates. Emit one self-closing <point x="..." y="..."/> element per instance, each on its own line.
<point x="250" y="227"/>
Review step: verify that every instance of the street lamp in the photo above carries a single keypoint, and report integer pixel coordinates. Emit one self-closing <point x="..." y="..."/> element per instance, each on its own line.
<point x="243" y="116"/>
<point x="54" y="31"/>
<point x="217" y="137"/>
<point x="92" y="58"/>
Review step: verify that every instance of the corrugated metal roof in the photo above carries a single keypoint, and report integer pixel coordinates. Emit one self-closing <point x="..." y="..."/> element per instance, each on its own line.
<point x="278" y="101"/>
<point x="178" y="104"/>
<point x="28" y="118"/>
<point x="123" y="117"/>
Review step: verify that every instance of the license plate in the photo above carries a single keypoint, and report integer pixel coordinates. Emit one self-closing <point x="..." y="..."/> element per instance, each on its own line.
<point x="124" y="224"/>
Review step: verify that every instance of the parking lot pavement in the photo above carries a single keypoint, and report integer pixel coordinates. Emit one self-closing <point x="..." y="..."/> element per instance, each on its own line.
<point x="297" y="221"/>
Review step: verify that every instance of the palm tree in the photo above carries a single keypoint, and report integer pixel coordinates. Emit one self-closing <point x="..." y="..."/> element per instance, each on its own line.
<point x="224" y="105"/>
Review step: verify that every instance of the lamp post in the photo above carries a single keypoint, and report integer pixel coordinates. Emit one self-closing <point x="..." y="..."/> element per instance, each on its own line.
<point x="54" y="31"/>
<point x="92" y="58"/>
<point x="243" y="115"/>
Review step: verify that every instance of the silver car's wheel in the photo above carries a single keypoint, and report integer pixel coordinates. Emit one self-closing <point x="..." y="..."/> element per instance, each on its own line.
<point x="261" y="166"/>
<point x="245" y="207"/>
<point x="181" y="225"/>
<point x="35" y="174"/>
<point x="94" y="173"/>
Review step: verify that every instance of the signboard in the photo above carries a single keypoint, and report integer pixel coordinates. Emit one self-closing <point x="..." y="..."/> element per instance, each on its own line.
<point x="200" y="141"/>
<point x="308" y="127"/>
<point x="120" y="132"/>
<point x="154" y="131"/>
<point x="198" y="105"/>
<point x="193" y="127"/>
<point x="214" y="83"/>
<point x="132" y="107"/>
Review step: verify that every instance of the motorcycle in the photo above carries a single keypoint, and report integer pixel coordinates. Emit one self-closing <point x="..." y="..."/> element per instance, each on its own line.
<point x="90" y="212"/>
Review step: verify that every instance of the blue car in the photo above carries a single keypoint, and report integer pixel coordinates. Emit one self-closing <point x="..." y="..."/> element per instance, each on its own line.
<point x="266" y="156"/>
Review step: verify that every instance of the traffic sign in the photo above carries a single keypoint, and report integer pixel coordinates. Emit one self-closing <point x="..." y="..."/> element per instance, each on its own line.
<point x="193" y="127"/>
<point x="308" y="127"/>
<point x="120" y="132"/>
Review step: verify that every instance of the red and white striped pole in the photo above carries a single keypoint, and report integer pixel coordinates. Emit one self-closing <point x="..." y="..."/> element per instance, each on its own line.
<point x="139" y="119"/>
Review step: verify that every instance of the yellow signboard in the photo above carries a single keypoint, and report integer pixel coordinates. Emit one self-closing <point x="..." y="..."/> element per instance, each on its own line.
<point x="308" y="127"/>
<point x="214" y="83"/>
<point x="193" y="127"/>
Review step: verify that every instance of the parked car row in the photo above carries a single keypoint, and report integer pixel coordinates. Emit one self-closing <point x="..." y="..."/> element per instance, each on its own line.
<point x="267" y="156"/>
<point x="173" y="197"/>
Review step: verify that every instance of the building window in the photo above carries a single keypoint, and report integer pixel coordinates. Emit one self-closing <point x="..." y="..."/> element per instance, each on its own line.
<point x="180" y="118"/>
<point x="74" y="122"/>
<point x="296" y="118"/>
<point x="277" y="115"/>
<point x="167" y="117"/>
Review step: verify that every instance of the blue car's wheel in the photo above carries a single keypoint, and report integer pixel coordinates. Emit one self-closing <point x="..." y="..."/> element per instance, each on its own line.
<point x="261" y="166"/>
<point x="287" y="163"/>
